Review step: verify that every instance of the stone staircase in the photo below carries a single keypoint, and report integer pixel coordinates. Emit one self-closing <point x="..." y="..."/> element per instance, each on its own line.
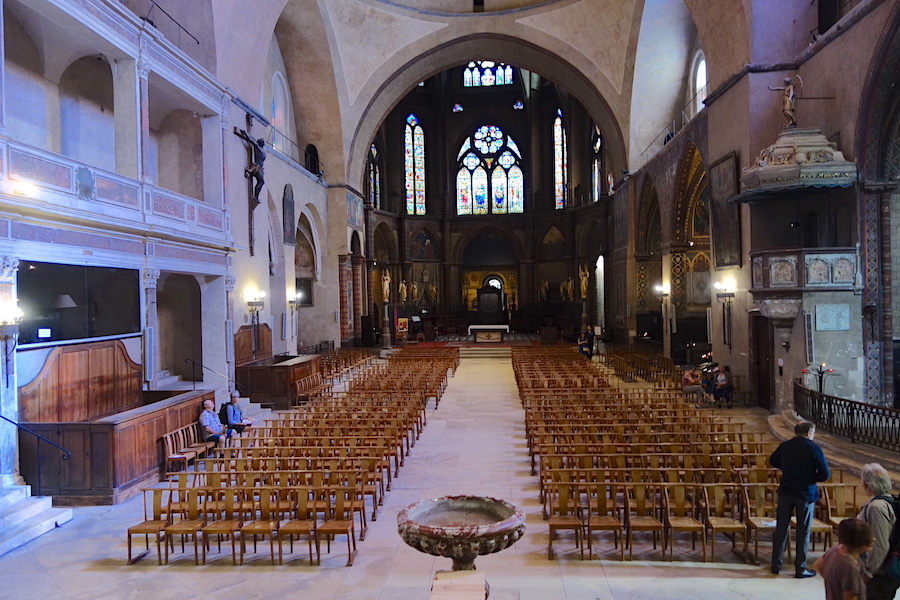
<point x="24" y="517"/>
<point x="486" y="351"/>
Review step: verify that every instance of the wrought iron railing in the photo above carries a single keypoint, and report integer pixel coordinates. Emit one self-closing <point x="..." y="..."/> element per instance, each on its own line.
<point x="66" y="454"/>
<point x="194" y="364"/>
<point x="859" y="422"/>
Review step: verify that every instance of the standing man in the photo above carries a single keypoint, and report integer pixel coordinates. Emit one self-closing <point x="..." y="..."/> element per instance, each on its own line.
<point x="802" y="465"/>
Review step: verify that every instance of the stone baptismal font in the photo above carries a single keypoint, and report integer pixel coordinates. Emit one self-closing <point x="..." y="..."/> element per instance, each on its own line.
<point x="461" y="527"/>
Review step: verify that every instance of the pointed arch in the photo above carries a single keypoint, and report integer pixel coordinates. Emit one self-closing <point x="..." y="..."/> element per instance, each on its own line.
<point x="690" y="182"/>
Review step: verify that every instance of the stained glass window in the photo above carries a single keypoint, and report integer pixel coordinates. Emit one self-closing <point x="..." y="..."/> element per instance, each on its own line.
<point x="485" y="182"/>
<point x="374" y="177"/>
<point x="457" y="108"/>
<point x="480" y="188"/>
<point x="414" y="163"/>
<point x="486" y="73"/>
<point x="597" y="165"/>
<point x="518" y="105"/>
<point x="560" y="161"/>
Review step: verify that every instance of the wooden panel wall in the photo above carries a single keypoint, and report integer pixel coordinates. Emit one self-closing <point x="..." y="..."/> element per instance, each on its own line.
<point x="82" y="382"/>
<point x="112" y="457"/>
<point x="243" y="344"/>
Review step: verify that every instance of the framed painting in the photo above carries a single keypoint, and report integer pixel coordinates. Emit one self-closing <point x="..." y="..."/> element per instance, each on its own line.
<point x="726" y="217"/>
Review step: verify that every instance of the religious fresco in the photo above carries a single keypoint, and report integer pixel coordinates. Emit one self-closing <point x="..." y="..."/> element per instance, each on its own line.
<point x="726" y="220"/>
<point x="287" y="203"/>
<point x="422" y="247"/>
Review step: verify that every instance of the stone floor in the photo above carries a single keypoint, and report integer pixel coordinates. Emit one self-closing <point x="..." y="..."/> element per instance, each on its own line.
<point x="473" y="444"/>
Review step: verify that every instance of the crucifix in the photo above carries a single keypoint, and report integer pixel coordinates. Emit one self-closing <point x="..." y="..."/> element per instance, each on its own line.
<point x="255" y="171"/>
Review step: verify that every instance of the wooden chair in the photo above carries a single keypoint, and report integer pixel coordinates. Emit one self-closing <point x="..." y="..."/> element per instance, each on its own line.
<point x="759" y="511"/>
<point x="228" y="519"/>
<point x="194" y="519"/>
<point x="643" y="508"/>
<point x="302" y="523"/>
<point x="341" y="521"/>
<point x="603" y="515"/>
<point x="722" y="504"/>
<point x="680" y="516"/>
<point x="154" y="523"/>
<point x="267" y="522"/>
<point x="841" y="501"/>
<point x="562" y="513"/>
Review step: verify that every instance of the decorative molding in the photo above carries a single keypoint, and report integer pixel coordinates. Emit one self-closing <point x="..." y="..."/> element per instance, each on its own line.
<point x="150" y="277"/>
<point x="8" y="268"/>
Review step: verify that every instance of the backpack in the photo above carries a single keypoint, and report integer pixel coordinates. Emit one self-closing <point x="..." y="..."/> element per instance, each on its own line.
<point x="223" y="414"/>
<point x="891" y="563"/>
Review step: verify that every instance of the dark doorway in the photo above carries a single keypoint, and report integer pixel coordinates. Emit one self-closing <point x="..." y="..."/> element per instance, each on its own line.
<point x="762" y="363"/>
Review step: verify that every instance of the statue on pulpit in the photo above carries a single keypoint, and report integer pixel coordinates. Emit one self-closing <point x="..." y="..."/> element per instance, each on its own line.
<point x="788" y="102"/>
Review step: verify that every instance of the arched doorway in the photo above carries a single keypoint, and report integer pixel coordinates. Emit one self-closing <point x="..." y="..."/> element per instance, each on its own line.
<point x="180" y="326"/>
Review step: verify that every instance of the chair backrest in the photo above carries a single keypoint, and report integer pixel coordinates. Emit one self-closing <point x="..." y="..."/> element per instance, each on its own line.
<point x="723" y="500"/>
<point x="759" y="499"/>
<point x="680" y="500"/>
<point x="643" y="500"/>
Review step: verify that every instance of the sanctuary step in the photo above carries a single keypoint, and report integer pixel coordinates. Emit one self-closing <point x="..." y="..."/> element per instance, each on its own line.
<point x="24" y="517"/>
<point x="485" y="352"/>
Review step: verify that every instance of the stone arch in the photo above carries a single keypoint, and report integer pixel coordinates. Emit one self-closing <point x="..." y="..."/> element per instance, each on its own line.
<point x="306" y="250"/>
<point x="86" y="114"/>
<point x="386" y="244"/>
<point x="551" y="244"/>
<point x="518" y="52"/>
<point x="690" y="182"/>
<point x="649" y="236"/>
<point x="462" y="244"/>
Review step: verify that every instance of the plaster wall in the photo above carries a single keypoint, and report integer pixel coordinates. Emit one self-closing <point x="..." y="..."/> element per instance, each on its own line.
<point x="839" y="350"/>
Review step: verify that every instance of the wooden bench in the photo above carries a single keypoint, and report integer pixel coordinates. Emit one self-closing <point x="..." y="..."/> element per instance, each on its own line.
<point x="182" y="446"/>
<point x="310" y="386"/>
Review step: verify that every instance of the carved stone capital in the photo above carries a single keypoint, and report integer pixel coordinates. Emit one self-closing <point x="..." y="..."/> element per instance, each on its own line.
<point x="143" y="67"/>
<point x="779" y="308"/>
<point x="8" y="268"/>
<point x="230" y="282"/>
<point x="151" y="277"/>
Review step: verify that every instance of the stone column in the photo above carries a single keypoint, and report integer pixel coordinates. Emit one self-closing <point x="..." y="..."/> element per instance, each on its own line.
<point x="144" y="108"/>
<point x="230" y="281"/>
<point x="358" y="273"/>
<point x="9" y="398"/>
<point x="876" y="270"/>
<point x="345" y="275"/>
<point x="3" y="131"/>
<point x="151" y="328"/>
<point x="127" y="112"/>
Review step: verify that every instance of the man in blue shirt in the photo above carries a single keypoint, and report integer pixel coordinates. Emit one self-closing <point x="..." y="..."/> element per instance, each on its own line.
<point x="802" y="465"/>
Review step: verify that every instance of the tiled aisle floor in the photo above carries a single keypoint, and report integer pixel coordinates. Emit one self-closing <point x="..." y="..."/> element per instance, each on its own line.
<point x="474" y="443"/>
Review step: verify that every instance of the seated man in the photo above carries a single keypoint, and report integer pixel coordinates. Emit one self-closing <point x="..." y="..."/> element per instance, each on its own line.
<point x="691" y="384"/>
<point x="723" y="386"/>
<point x="211" y="426"/>
<point x="236" y="420"/>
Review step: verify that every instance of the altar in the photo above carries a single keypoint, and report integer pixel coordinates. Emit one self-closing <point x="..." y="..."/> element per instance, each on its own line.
<point x="488" y="333"/>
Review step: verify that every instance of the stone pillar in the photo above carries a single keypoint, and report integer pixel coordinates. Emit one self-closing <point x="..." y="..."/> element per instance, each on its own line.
<point x="358" y="297"/>
<point x="345" y="278"/>
<point x="127" y="113"/>
<point x="151" y="329"/>
<point x="230" y="281"/>
<point x="876" y="270"/>
<point x="144" y="107"/>
<point x="3" y="131"/>
<point x="9" y="398"/>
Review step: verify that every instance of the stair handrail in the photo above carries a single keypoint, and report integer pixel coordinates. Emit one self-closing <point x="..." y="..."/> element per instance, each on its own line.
<point x="66" y="454"/>
<point x="194" y="363"/>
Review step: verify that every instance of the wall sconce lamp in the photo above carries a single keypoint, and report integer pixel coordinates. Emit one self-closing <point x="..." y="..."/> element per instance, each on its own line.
<point x="10" y="317"/>
<point x="726" y="298"/>
<point x="255" y="305"/>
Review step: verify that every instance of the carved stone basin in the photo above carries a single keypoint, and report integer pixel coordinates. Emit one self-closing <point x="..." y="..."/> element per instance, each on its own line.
<point x="461" y="527"/>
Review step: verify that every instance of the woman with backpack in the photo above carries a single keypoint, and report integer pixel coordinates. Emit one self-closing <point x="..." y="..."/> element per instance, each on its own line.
<point x="879" y="513"/>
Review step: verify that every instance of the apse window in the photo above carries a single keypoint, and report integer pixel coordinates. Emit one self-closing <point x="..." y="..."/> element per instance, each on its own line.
<point x="489" y="176"/>
<point x="701" y="82"/>
<point x="487" y="73"/>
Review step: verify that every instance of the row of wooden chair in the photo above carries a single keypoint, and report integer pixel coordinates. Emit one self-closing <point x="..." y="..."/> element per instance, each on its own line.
<point x="706" y="509"/>
<point x="246" y="513"/>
